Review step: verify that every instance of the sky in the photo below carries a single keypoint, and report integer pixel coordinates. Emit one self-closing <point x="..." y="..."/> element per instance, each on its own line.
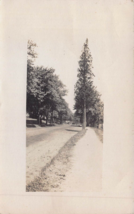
<point x="61" y="50"/>
<point x="60" y="35"/>
<point x="63" y="55"/>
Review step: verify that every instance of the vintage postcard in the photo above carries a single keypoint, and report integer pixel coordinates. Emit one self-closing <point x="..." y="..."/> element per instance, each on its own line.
<point x="67" y="107"/>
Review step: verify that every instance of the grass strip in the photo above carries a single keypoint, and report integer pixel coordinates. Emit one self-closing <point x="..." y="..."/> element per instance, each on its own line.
<point x="99" y="133"/>
<point x="50" y="174"/>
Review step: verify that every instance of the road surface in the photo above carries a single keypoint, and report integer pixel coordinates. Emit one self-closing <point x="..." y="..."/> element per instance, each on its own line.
<point x="77" y="167"/>
<point x="43" y="144"/>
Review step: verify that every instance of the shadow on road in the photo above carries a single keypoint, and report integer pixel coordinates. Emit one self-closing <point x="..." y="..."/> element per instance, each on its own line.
<point x="71" y="130"/>
<point x="32" y="123"/>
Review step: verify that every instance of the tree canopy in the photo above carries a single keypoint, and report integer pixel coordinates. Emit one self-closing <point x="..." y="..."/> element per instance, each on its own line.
<point x="45" y="91"/>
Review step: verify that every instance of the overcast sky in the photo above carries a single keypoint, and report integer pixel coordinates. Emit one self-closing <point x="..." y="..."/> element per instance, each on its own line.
<point x="61" y="49"/>
<point x="61" y="33"/>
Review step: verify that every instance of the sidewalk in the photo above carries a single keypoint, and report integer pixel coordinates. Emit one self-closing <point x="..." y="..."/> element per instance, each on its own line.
<point x="86" y="170"/>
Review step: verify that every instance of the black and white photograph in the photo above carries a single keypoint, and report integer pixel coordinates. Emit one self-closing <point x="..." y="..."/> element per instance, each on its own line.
<point x="64" y="132"/>
<point x="66" y="107"/>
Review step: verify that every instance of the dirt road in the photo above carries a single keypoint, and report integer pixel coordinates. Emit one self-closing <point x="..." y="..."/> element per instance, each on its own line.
<point x="35" y="135"/>
<point x="43" y="144"/>
<point x="77" y="167"/>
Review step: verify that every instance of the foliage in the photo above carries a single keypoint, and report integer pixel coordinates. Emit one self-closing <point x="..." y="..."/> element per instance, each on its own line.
<point x="45" y="91"/>
<point x="88" y="104"/>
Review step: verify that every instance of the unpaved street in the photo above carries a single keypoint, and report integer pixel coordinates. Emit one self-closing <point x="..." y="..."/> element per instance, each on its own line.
<point x="77" y="167"/>
<point x="43" y="144"/>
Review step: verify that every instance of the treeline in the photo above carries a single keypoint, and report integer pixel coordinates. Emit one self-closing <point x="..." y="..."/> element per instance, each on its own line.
<point x="45" y="92"/>
<point x="88" y="105"/>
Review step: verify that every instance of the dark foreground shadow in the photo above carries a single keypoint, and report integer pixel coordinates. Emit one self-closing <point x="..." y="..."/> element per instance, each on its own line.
<point x="32" y="123"/>
<point x="70" y="130"/>
<point x="31" y="126"/>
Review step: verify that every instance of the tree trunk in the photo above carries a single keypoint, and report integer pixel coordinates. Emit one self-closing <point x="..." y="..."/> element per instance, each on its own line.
<point x="52" y="117"/>
<point x="38" y="119"/>
<point x="46" y="119"/>
<point x="61" y="119"/>
<point x="84" y="115"/>
<point x="87" y="119"/>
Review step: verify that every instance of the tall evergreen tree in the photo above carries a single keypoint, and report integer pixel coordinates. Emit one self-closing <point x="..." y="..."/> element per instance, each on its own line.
<point x="84" y="82"/>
